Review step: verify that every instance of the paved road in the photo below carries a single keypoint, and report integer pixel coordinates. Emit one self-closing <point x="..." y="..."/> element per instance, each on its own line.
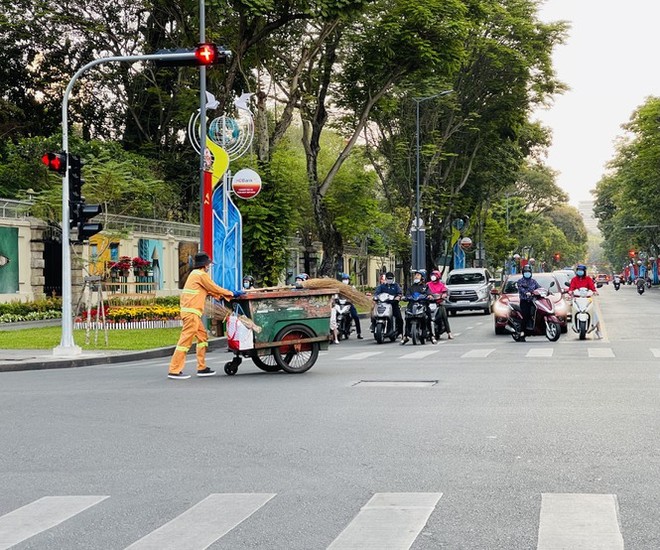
<point x="475" y="443"/>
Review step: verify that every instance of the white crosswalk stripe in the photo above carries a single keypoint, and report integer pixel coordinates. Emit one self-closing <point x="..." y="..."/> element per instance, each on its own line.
<point x="200" y="526"/>
<point x="389" y="521"/>
<point x="40" y="515"/>
<point x="477" y="353"/>
<point x="420" y="354"/>
<point x="655" y="352"/>
<point x="359" y="356"/>
<point x="579" y="521"/>
<point x="540" y="352"/>
<point x="601" y="352"/>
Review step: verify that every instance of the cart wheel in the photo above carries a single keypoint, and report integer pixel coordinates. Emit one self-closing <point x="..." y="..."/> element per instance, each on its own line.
<point x="265" y="362"/>
<point x="231" y="368"/>
<point x="296" y="358"/>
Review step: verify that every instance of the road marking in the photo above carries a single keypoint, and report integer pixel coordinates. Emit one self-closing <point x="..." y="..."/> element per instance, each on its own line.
<point x="360" y="356"/>
<point x="540" y="352"/>
<point x="200" y="526"/>
<point x="420" y="354"/>
<point x="655" y="352"/>
<point x="469" y="328"/>
<point x="580" y="521"/>
<point x="40" y="515"/>
<point x="600" y="352"/>
<point x="389" y="521"/>
<point x="480" y="353"/>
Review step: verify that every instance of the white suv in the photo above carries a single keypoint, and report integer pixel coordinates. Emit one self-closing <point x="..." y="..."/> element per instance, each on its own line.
<point x="469" y="289"/>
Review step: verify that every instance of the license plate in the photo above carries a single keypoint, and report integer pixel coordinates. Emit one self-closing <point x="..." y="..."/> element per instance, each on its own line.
<point x="463" y="302"/>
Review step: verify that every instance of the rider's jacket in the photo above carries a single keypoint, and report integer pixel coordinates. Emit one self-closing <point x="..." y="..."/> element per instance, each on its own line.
<point x="527" y="286"/>
<point x="582" y="282"/>
<point x="419" y="288"/>
<point x="388" y="288"/>
<point x="437" y="287"/>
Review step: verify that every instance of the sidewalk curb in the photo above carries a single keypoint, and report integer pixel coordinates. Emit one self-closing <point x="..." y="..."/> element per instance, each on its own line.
<point x="66" y="363"/>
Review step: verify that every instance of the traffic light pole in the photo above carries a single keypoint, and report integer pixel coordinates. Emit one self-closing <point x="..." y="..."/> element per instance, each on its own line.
<point x="67" y="345"/>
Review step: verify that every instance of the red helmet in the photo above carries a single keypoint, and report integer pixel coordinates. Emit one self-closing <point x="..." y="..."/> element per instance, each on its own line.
<point x="437" y="274"/>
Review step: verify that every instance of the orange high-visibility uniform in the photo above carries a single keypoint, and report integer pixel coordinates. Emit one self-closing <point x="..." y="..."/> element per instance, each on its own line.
<point x="198" y="286"/>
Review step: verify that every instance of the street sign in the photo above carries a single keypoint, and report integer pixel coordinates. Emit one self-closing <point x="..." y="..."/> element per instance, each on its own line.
<point x="246" y="183"/>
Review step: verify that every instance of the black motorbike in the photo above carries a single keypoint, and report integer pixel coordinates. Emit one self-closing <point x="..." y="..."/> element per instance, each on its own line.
<point x="435" y="308"/>
<point x="641" y="285"/>
<point x="416" y="325"/>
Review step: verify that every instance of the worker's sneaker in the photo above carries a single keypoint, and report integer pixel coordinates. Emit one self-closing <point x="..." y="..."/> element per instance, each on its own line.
<point x="178" y="376"/>
<point x="206" y="372"/>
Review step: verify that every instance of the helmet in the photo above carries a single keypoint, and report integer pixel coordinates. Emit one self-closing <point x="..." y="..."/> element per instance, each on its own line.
<point x="527" y="268"/>
<point x="436" y="273"/>
<point x="582" y="267"/>
<point x="344" y="276"/>
<point x="389" y="275"/>
<point x="302" y="277"/>
<point x="421" y="272"/>
<point x="248" y="281"/>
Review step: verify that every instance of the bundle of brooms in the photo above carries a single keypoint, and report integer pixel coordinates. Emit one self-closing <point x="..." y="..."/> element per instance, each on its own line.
<point x="218" y="311"/>
<point x="347" y="291"/>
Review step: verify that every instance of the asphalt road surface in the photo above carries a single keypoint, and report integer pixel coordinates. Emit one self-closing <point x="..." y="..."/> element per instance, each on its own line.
<point x="475" y="443"/>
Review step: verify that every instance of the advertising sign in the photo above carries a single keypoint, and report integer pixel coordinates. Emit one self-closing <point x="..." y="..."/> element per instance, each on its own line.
<point x="246" y="183"/>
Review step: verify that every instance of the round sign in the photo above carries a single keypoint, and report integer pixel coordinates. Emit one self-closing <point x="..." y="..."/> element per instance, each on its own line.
<point x="466" y="243"/>
<point x="246" y="183"/>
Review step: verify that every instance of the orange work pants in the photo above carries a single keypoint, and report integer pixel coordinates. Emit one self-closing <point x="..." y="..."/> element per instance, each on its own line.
<point x="192" y="328"/>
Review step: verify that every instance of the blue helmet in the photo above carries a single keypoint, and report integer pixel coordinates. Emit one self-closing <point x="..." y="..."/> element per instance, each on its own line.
<point x="582" y="267"/>
<point x="302" y="277"/>
<point x="344" y="276"/>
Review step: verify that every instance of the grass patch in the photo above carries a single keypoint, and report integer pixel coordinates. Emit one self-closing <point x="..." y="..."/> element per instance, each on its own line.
<point x="49" y="337"/>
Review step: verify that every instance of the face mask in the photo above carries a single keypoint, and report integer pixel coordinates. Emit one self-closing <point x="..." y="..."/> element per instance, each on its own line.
<point x="434" y="278"/>
<point x="389" y="281"/>
<point x="579" y="273"/>
<point x="246" y="284"/>
<point x="417" y="280"/>
<point x="527" y="275"/>
<point x="345" y="281"/>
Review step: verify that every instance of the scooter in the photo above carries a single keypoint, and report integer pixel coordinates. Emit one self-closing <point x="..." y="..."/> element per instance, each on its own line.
<point x="384" y="321"/>
<point x="437" y="319"/>
<point x="641" y="285"/>
<point x="544" y="320"/>
<point x="617" y="282"/>
<point x="343" y="308"/>
<point x="416" y="318"/>
<point x="583" y="305"/>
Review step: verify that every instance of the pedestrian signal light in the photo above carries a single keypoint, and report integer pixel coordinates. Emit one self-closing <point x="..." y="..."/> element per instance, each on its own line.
<point x="55" y="162"/>
<point x="557" y="257"/>
<point x="631" y="253"/>
<point x="204" y="54"/>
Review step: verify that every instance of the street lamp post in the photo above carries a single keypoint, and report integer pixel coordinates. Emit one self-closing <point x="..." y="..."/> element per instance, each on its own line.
<point x="419" y="231"/>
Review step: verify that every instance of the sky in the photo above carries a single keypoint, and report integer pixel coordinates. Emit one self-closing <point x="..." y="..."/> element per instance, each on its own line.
<point x="611" y="63"/>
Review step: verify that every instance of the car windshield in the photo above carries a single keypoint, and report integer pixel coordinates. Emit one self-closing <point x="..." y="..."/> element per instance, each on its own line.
<point x="544" y="279"/>
<point x="465" y="278"/>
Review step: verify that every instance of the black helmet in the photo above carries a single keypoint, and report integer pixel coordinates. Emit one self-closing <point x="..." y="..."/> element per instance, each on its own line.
<point x="527" y="268"/>
<point x="249" y="279"/>
<point x="389" y="275"/>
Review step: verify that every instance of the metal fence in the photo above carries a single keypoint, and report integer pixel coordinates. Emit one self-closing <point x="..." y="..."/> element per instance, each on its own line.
<point x="16" y="210"/>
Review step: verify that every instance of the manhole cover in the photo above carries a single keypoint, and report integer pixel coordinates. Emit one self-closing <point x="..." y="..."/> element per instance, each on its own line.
<point x="396" y="383"/>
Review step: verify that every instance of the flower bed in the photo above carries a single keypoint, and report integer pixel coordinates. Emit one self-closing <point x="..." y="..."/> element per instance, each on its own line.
<point x="125" y="317"/>
<point x="125" y="325"/>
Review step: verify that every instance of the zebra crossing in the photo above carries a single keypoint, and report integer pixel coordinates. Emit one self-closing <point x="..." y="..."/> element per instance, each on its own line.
<point x="387" y="521"/>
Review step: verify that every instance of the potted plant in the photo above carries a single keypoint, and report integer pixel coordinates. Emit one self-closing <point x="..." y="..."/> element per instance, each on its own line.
<point x="120" y="267"/>
<point x="141" y="266"/>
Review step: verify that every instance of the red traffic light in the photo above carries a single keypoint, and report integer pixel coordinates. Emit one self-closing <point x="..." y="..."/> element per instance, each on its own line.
<point x="206" y="54"/>
<point x="55" y="162"/>
<point x="631" y="253"/>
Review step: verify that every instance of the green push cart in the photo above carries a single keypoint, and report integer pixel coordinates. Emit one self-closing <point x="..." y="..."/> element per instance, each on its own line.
<point x="295" y="326"/>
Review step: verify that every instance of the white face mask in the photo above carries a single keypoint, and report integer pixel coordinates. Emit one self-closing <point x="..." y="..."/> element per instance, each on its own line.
<point x="417" y="280"/>
<point x="345" y="281"/>
<point x="389" y="281"/>
<point x="434" y="278"/>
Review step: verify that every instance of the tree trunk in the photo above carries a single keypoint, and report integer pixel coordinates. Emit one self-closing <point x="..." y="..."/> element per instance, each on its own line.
<point x="333" y="247"/>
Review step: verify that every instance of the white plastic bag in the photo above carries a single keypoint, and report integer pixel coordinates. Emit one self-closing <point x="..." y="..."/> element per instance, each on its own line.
<point x="239" y="336"/>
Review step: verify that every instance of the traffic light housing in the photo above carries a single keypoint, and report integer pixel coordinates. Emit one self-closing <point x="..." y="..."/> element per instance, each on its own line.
<point x="79" y="212"/>
<point x="55" y="162"/>
<point x="204" y="54"/>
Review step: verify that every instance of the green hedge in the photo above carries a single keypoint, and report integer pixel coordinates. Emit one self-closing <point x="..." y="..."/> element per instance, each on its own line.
<point x="26" y="308"/>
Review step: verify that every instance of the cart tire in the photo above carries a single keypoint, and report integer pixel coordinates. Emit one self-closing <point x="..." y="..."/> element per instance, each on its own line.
<point x="296" y="358"/>
<point x="230" y="368"/>
<point x="266" y="363"/>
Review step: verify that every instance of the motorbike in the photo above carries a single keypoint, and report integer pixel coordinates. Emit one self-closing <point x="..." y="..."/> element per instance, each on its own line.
<point x="384" y="321"/>
<point x="343" y="309"/>
<point x="583" y="305"/>
<point x="544" y="320"/>
<point x="641" y="285"/>
<point x="416" y="318"/>
<point x="435" y="313"/>
<point x="617" y="282"/>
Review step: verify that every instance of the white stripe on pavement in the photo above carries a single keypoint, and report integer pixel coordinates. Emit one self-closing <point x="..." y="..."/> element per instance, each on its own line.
<point x="360" y="356"/>
<point x="579" y="522"/>
<point x="419" y="354"/>
<point x="481" y="353"/>
<point x="600" y="352"/>
<point x="655" y="352"/>
<point x="200" y="526"/>
<point x="40" y="515"/>
<point x="389" y="521"/>
<point x="540" y="352"/>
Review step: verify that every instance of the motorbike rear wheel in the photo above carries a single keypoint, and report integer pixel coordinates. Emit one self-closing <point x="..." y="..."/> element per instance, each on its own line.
<point x="553" y="331"/>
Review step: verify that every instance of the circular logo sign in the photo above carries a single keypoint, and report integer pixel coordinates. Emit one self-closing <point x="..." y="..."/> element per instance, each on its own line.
<point x="466" y="243"/>
<point x="246" y="183"/>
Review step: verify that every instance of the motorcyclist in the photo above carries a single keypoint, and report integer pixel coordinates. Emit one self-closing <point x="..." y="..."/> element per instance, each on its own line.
<point x="418" y="286"/>
<point x="346" y="279"/>
<point x="582" y="281"/>
<point x="439" y="291"/>
<point x="248" y="282"/>
<point x="390" y="286"/>
<point x="526" y="286"/>
<point x="300" y="279"/>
